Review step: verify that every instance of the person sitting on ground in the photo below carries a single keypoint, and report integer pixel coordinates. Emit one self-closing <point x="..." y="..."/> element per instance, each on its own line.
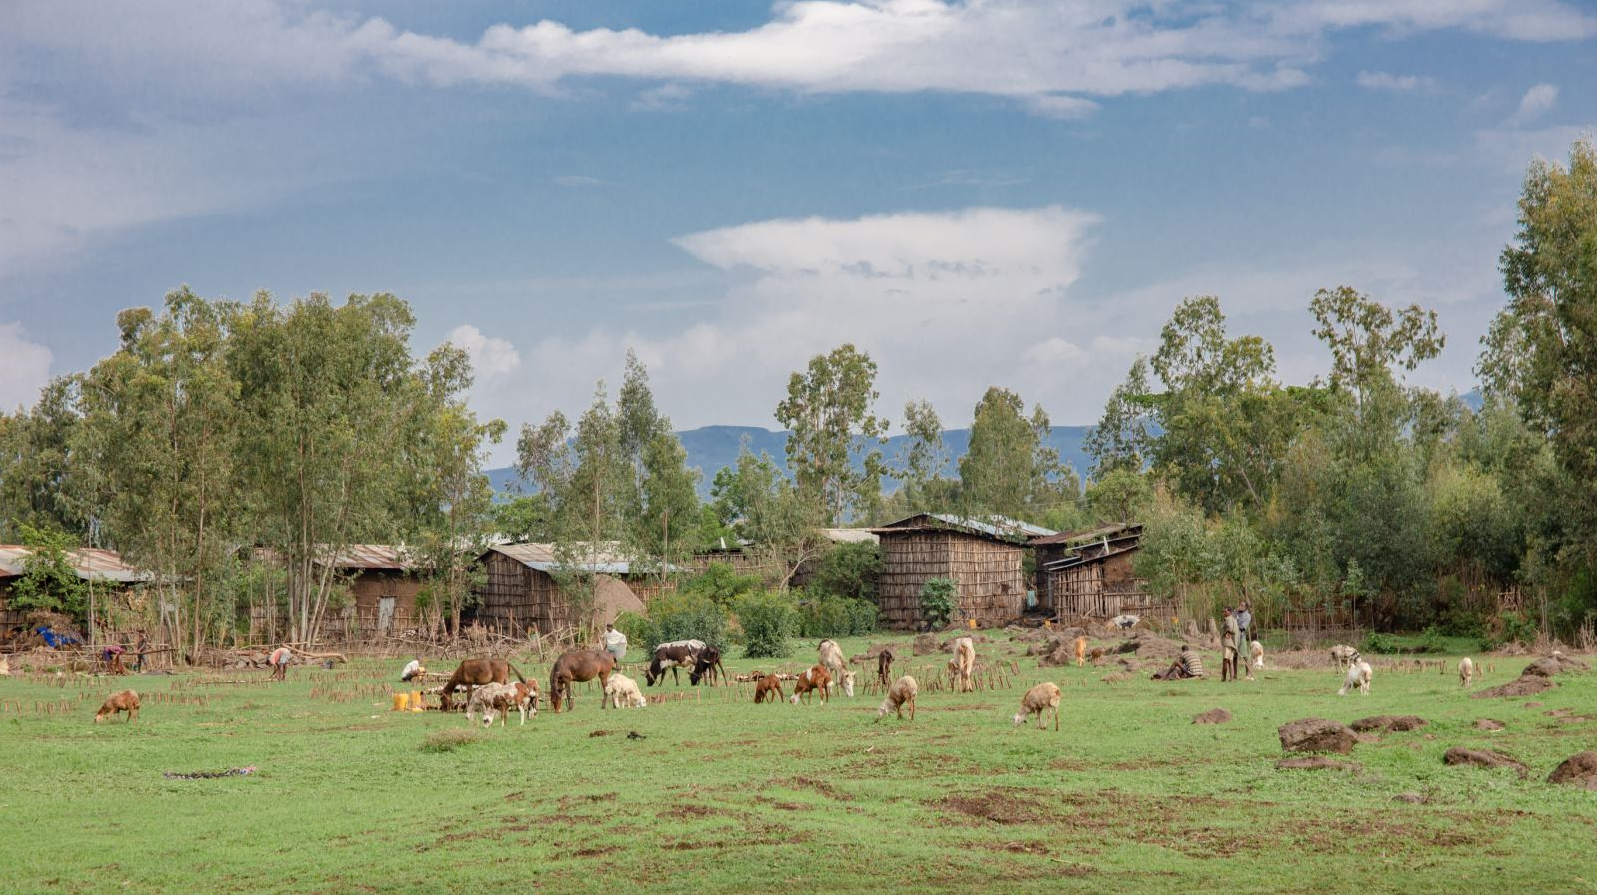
<point x="615" y="642"/>
<point x="279" y="660"/>
<point x="1187" y="665"/>
<point x="414" y="670"/>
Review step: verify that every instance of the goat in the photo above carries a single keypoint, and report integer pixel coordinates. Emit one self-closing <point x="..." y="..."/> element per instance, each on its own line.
<point x="121" y="701"/>
<point x="884" y="667"/>
<point x="483" y="699"/>
<point x="1081" y="652"/>
<point x="769" y="689"/>
<point x="1466" y="671"/>
<point x="1358" y="675"/>
<point x="622" y="688"/>
<point x="963" y="664"/>
<point x="1256" y="649"/>
<point x="831" y="658"/>
<point x="816" y="678"/>
<point x="902" y="693"/>
<point x="1037" y="700"/>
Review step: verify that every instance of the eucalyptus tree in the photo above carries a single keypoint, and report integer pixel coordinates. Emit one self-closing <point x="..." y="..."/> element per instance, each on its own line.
<point x="829" y="412"/>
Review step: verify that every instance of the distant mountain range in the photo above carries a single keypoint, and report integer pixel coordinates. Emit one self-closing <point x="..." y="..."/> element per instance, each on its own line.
<point x="713" y="448"/>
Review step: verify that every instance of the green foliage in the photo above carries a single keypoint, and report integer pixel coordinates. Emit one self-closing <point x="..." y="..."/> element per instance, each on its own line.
<point x="525" y="518"/>
<point x="769" y="623"/>
<point x="829" y="411"/>
<point x="938" y="598"/>
<point x="851" y="571"/>
<point x="721" y="584"/>
<point x="1431" y="641"/>
<point x="1512" y="627"/>
<point x="825" y="615"/>
<point x="48" y="580"/>
<point x="1010" y="469"/>
<point x="678" y="616"/>
<point x="1376" y="642"/>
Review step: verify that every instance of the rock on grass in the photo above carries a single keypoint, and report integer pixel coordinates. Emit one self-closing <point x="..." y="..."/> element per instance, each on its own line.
<point x="1316" y="735"/>
<point x="1483" y="758"/>
<point x="1212" y="716"/>
<point x="1579" y="770"/>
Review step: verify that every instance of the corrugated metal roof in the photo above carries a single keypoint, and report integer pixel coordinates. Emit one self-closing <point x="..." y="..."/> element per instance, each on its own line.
<point x="373" y="556"/>
<point x="850" y="535"/>
<point x="1001" y="528"/>
<point x="606" y="559"/>
<point x="91" y="563"/>
<point x="1086" y="534"/>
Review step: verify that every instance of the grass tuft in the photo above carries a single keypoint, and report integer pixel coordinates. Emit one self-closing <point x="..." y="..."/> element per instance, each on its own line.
<point x="450" y="739"/>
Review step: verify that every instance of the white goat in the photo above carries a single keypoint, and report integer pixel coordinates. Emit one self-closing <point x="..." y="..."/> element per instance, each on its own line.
<point x="1256" y="649"/>
<point x="1466" y="671"/>
<point x="483" y="699"/>
<point x="963" y="664"/>
<point x="831" y="657"/>
<point x="1037" y="700"/>
<point x="1358" y="675"/>
<point x="903" y="692"/>
<point x="1345" y="656"/>
<point x="621" y="688"/>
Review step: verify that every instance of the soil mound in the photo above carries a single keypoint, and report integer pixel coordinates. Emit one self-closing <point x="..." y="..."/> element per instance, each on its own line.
<point x="1524" y="685"/>
<point x="1579" y="770"/>
<point x="926" y="644"/>
<point x="1556" y="664"/>
<point x="1488" y="724"/>
<point x="1317" y="735"/>
<point x="1388" y="724"/>
<point x="1212" y="716"/>
<point x="1483" y="758"/>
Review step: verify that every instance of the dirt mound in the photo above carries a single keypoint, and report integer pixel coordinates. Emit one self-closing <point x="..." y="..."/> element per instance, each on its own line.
<point x="1579" y="769"/>
<point x="1556" y="664"/>
<point x="1483" y="758"/>
<point x="1412" y="798"/>
<point x="1524" y="685"/>
<point x="1316" y="763"/>
<point x="1388" y="723"/>
<point x="998" y="807"/>
<point x="926" y="644"/>
<point x="1488" y="724"/>
<point x="1058" y="648"/>
<point x="1212" y="716"/>
<point x="1316" y="735"/>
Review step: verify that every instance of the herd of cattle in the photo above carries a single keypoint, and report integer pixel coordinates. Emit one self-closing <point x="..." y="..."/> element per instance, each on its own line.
<point x="490" y="693"/>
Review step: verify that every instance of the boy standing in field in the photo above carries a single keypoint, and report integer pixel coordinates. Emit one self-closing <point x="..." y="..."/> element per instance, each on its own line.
<point x="1228" y="647"/>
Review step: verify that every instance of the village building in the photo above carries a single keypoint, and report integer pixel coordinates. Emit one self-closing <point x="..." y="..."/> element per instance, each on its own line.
<point x="1089" y="574"/>
<point x="521" y="590"/>
<point x="984" y="558"/>
<point x="111" y="579"/>
<point x="383" y="584"/>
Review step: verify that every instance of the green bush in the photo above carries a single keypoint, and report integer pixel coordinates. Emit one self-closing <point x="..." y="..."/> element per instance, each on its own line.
<point x="850" y="571"/>
<point x="1431" y="641"/>
<point x="678" y="616"/>
<point x="1376" y="642"/>
<point x="769" y="621"/>
<point x="825" y="615"/>
<point x="722" y="584"/>
<point x="642" y="633"/>
<point x="1515" y="628"/>
<point x="937" y="600"/>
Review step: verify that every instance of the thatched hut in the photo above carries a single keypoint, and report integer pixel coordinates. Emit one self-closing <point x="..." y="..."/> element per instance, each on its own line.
<point x="520" y="591"/>
<point x="1088" y="573"/>
<point x="984" y="558"/>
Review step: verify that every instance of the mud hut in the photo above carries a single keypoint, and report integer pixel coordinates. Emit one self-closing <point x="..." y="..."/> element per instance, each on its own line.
<point x="520" y="591"/>
<point x="105" y="571"/>
<point x="383" y="582"/>
<point x="984" y="558"/>
<point x="1088" y="573"/>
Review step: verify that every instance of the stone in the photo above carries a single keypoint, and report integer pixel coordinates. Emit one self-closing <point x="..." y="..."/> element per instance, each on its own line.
<point x="1212" y="716"/>
<point x="1316" y="735"/>
<point x="1483" y="758"/>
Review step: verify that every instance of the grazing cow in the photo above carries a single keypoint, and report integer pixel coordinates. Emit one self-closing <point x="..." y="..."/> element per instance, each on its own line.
<point x="122" y="701"/>
<point x="832" y="660"/>
<point x="674" y="655"/>
<point x="902" y="693"/>
<point x="707" y="665"/>
<point x="884" y="667"/>
<point x="816" y="678"/>
<point x="1466" y="671"/>
<point x="575" y="666"/>
<point x="473" y="673"/>
<point x="1256" y="650"/>
<point x="769" y="689"/>
<point x="623" y="692"/>
<point x="1358" y="675"/>
<point x="1081" y="651"/>
<point x="963" y="664"/>
<point x="1345" y="656"/>
<point x="1037" y="700"/>
<point x="483" y="701"/>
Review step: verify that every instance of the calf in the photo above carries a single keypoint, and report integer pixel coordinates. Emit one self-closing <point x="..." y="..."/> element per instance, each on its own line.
<point x="124" y="701"/>
<point x="902" y="693"/>
<point x="816" y="678"/>
<point x="623" y="691"/>
<point x="884" y="667"/>
<point x="1358" y="675"/>
<point x="1037" y="700"/>
<point x="831" y="658"/>
<point x="1256" y="649"/>
<point x="769" y="689"/>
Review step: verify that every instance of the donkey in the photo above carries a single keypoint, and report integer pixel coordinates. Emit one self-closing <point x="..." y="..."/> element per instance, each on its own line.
<point x="575" y="666"/>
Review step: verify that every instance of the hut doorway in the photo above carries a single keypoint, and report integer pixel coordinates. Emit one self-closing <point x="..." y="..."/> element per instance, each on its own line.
<point x="385" y="614"/>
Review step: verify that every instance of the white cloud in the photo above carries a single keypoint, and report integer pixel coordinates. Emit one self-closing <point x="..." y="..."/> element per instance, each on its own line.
<point x="1530" y="20"/>
<point x="1380" y="80"/>
<point x="665" y="98"/>
<point x="24" y="368"/>
<point x="1535" y="103"/>
<point x="490" y="356"/>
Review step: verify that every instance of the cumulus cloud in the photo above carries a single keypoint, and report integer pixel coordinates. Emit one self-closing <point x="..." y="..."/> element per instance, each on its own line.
<point x="1535" y="103"/>
<point x="1380" y="80"/>
<point x="490" y="355"/>
<point x="24" y="367"/>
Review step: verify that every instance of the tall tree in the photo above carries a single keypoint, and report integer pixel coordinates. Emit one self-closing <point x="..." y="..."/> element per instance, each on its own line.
<point x="1122" y="439"/>
<point x="829" y="413"/>
<point x="1010" y="468"/>
<point x="1368" y="340"/>
<point x="37" y="464"/>
<point x="923" y="460"/>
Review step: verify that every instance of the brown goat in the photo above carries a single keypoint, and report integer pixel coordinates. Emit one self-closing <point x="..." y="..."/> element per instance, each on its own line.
<point x="769" y="689"/>
<point x="124" y="701"/>
<point x="884" y="667"/>
<point x="817" y="678"/>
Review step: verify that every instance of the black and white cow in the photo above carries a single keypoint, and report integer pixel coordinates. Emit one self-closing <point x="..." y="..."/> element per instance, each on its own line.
<point x="674" y="655"/>
<point x="708" y="664"/>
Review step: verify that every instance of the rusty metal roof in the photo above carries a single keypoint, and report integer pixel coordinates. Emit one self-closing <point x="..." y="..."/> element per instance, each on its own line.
<point x="606" y="557"/>
<point x="1112" y="530"/>
<point x="90" y="563"/>
<point x="999" y="528"/>
<point x="374" y="556"/>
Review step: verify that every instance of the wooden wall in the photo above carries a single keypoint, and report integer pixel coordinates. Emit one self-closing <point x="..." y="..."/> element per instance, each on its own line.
<point x="987" y="575"/>
<point x="515" y="598"/>
<point x="1098" y="589"/>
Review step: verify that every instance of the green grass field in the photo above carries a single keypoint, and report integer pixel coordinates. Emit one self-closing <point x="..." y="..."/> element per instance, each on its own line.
<point x="726" y="796"/>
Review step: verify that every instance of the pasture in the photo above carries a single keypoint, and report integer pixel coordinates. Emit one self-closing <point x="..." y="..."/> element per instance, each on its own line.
<point x="719" y="795"/>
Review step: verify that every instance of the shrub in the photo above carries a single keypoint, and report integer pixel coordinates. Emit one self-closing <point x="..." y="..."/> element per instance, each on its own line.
<point x="937" y="598"/>
<point x="642" y="633"/>
<point x="851" y="571"/>
<point x="683" y="616"/>
<point x="722" y="584"/>
<point x="1514" y="628"/>
<point x="825" y="615"/>
<point x="1376" y="642"/>
<point x="1431" y="641"/>
<point x="768" y="620"/>
<point x="450" y="739"/>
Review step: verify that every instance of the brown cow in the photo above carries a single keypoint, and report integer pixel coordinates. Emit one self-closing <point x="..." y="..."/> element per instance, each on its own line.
<point x="473" y="673"/>
<point x="124" y="701"/>
<point x="817" y="678"/>
<point x="576" y="666"/>
<point x="769" y="689"/>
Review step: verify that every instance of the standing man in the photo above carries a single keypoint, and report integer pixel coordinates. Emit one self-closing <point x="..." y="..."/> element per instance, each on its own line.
<point x="615" y="643"/>
<point x="279" y="660"/>
<point x="1245" y="635"/>
<point x="142" y="648"/>
<point x="1228" y="647"/>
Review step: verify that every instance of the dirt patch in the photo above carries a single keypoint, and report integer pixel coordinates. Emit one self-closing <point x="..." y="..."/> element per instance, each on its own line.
<point x="1388" y="723"/>
<point x="1579" y="770"/>
<point x="685" y="811"/>
<point x="1488" y="724"/>
<point x="1212" y="716"/>
<point x="594" y="851"/>
<point x="926" y="644"/>
<point x="961" y="707"/>
<point x="1556" y="664"/>
<point x="820" y="786"/>
<point x="998" y="807"/>
<point x="1411" y="798"/>
<point x="1316" y="735"/>
<point x="1483" y="758"/>
<point x="1317" y="763"/>
<point x="1524" y="685"/>
<point x="600" y="733"/>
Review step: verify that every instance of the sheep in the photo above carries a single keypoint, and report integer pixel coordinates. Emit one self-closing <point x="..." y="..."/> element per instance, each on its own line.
<point x="1345" y="656"/>
<point x="902" y="693"/>
<point x="831" y="658"/>
<point x="963" y="664"/>
<point x="815" y="678"/>
<point x="1466" y="671"/>
<point x="1256" y="649"/>
<point x="620" y="688"/>
<point x="769" y="689"/>
<point x="1037" y="700"/>
<point x="483" y="699"/>
<point x="1081" y="652"/>
<point x="121" y="701"/>
<point x="1358" y="675"/>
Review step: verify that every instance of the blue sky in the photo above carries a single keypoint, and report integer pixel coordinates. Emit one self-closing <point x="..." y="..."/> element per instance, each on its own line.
<point x="1006" y="192"/>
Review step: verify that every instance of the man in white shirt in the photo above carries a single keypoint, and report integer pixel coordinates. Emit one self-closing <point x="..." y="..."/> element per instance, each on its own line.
<point x="615" y="642"/>
<point x="413" y="670"/>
